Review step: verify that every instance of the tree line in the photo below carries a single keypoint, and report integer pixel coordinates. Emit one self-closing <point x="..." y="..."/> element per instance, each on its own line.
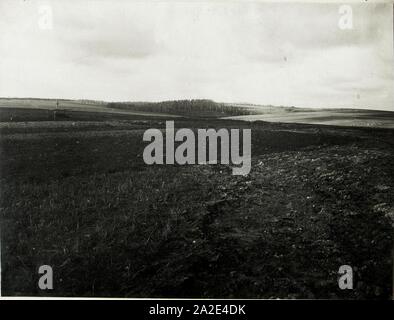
<point x="196" y="107"/>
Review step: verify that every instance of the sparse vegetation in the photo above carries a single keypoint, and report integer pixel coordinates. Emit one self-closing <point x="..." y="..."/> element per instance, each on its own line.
<point x="79" y="198"/>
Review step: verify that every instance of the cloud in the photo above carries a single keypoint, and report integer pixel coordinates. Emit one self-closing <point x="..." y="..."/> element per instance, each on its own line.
<point x="266" y="53"/>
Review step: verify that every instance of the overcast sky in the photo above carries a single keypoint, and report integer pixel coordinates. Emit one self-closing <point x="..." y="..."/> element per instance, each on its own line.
<point x="282" y="54"/>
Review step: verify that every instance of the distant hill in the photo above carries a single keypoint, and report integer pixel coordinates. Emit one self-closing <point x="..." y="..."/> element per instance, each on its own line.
<point x="198" y="109"/>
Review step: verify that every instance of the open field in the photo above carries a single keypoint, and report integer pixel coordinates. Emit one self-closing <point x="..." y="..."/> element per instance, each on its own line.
<point x="45" y="108"/>
<point x="76" y="195"/>
<point x="344" y="117"/>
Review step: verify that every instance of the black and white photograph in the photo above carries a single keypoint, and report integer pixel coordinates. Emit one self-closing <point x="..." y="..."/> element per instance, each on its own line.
<point x="197" y="150"/>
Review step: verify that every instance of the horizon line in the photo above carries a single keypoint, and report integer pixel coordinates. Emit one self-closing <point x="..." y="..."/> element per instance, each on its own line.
<point x="197" y="99"/>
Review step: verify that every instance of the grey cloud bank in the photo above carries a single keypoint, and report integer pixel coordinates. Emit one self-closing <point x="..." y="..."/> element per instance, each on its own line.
<point x="280" y="54"/>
